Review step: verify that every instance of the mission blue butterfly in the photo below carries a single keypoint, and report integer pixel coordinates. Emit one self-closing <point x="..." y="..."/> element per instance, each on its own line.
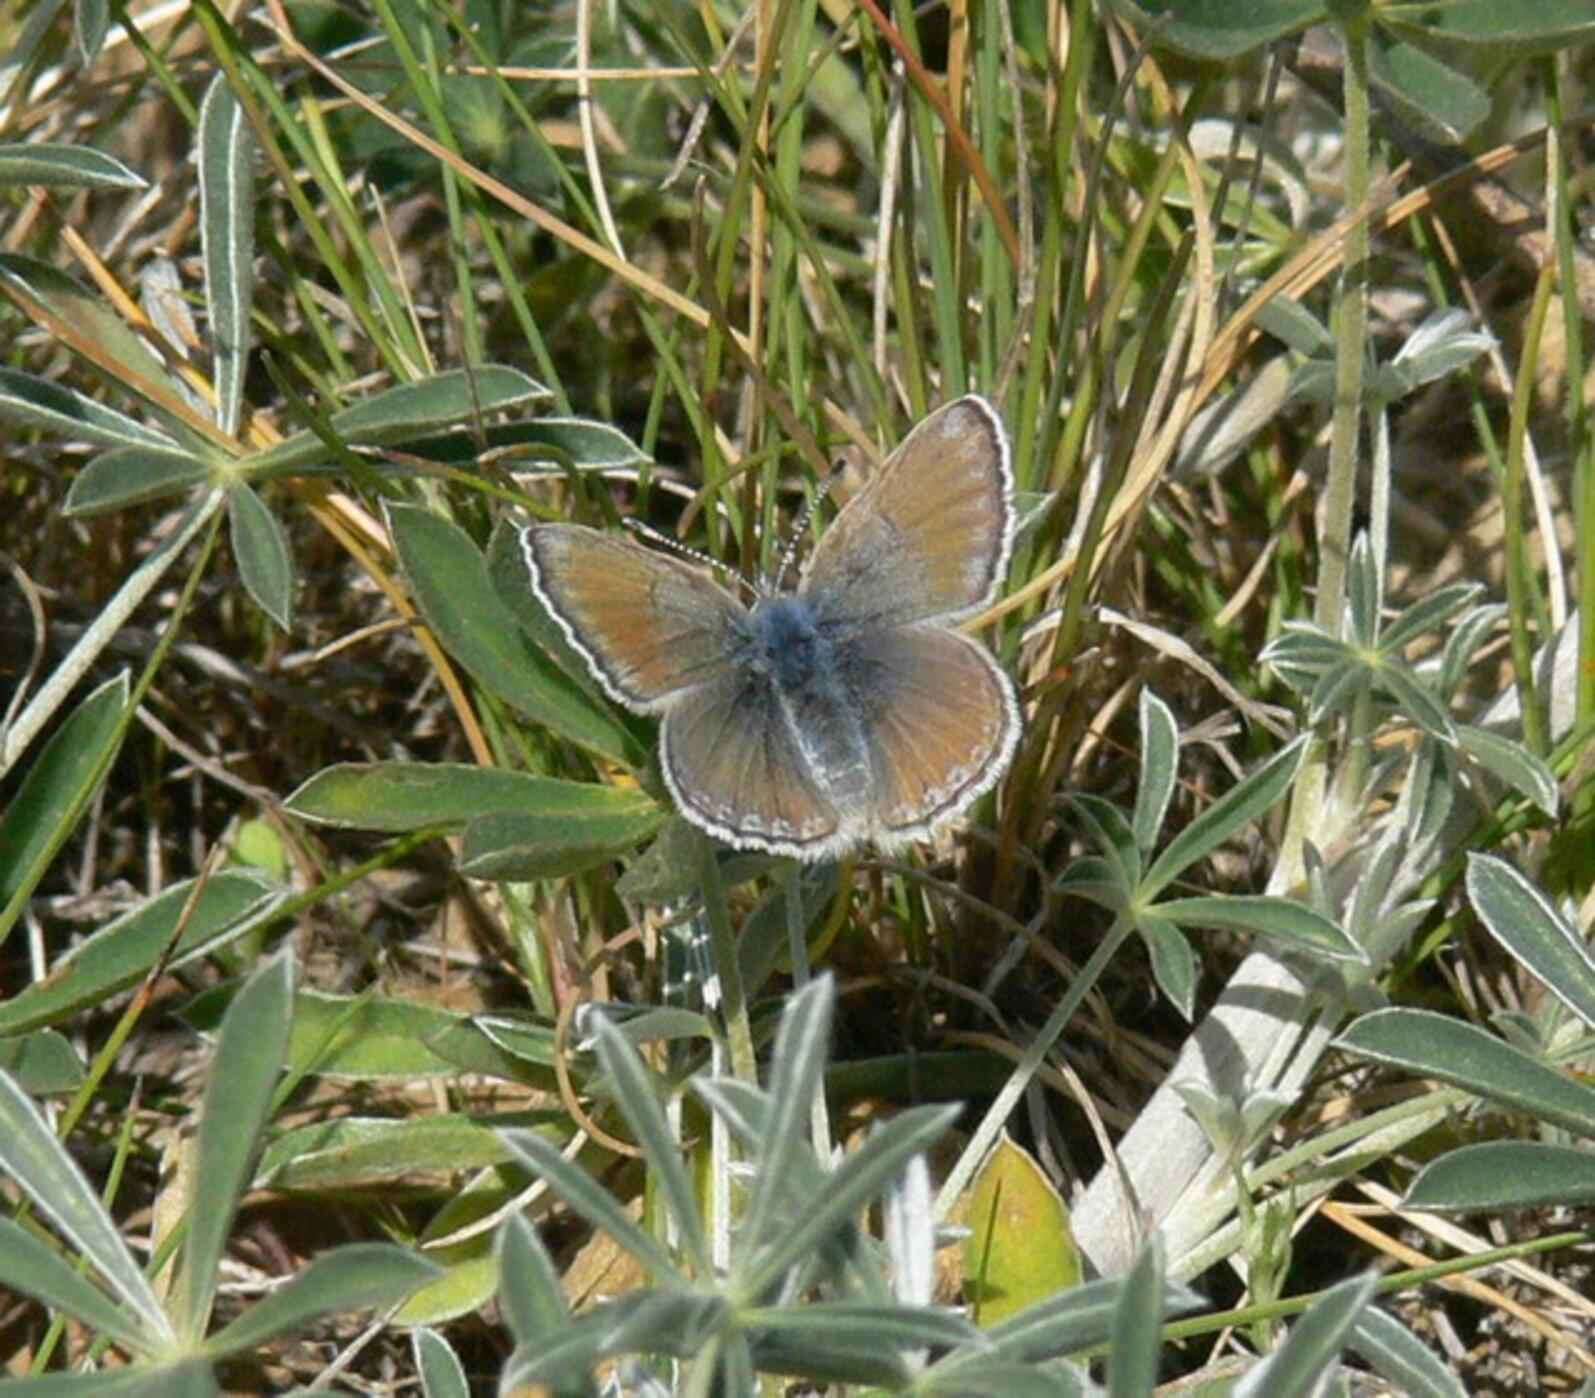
<point x="845" y="711"/>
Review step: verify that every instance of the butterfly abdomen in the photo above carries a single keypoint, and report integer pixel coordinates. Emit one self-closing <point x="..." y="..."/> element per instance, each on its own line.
<point x="811" y="689"/>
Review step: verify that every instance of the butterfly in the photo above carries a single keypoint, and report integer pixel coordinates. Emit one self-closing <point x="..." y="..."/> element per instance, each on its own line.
<point x="845" y="711"/>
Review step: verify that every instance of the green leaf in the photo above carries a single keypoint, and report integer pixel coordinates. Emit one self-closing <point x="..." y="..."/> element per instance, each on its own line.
<point x="504" y="1045"/>
<point x="1160" y="758"/>
<point x="673" y="1321"/>
<point x="1429" y="613"/>
<point x="852" y="1342"/>
<point x="1218" y="29"/>
<point x="1511" y="764"/>
<point x="530" y="1293"/>
<point x="467" y="1283"/>
<point x="1505" y="1175"/>
<point x="1173" y="962"/>
<point x="984" y="1377"/>
<point x="1114" y="836"/>
<point x="1504" y="28"/>
<point x="589" y="1198"/>
<point x="65" y="167"/>
<point x="249" y="1059"/>
<point x="227" y="236"/>
<point x="1287" y="921"/>
<point x="1399" y="1356"/>
<point x="133" y="475"/>
<point x="1291" y="323"/>
<point x="453" y="396"/>
<point x="35" y="402"/>
<point x="395" y="416"/>
<point x="1443" y="344"/>
<point x="859" y="1180"/>
<point x="438" y="1365"/>
<point x="1417" y="701"/>
<point x="1437" y="101"/>
<point x="1521" y="918"/>
<point x="32" y="1155"/>
<point x="261" y="548"/>
<point x="121" y="953"/>
<point x="372" y="1037"/>
<point x="1313" y="1345"/>
<point x="580" y="444"/>
<point x="64" y="304"/>
<point x="1226" y="817"/>
<point x="1301" y="654"/>
<point x="451" y="586"/>
<point x="180" y="1380"/>
<point x="42" y="1063"/>
<point x="355" y="1152"/>
<point x="54" y="794"/>
<point x="358" y="1276"/>
<point x="1073" y="1321"/>
<point x="1433" y="1045"/>
<point x="663" y="1023"/>
<point x="586" y="444"/>
<point x="31" y="1267"/>
<point x="1461" y="640"/>
<point x="91" y="22"/>
<point x="543" y="845"/>
<point x="1097" y="880"/>
<point x="1339" y="688"/>
<point x="1364" y="595"/>
<point x="801" y="1046"/>
<point x="1132" y="1359"/>
<point x="637" y="1095"/>
<point x="404" y="796"/>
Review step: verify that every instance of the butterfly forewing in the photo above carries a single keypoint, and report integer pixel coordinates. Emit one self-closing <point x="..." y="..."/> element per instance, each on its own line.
<point x="733" y="765"/>
<point x="930" y="533"/>
<point x="940" y="730"/>
<point x="648" y="625"/>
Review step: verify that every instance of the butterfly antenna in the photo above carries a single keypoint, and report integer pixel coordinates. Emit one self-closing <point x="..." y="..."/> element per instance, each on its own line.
<point x="686" y="551"/>
<point x="789" y="553"/>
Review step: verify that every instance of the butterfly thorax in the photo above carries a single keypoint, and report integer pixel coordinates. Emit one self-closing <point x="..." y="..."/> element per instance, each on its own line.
<point x="786" y="643"/>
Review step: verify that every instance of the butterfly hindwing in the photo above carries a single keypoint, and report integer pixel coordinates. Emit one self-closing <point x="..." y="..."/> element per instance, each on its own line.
<point x="939" y="725"/>
<point x="732" y="761"/>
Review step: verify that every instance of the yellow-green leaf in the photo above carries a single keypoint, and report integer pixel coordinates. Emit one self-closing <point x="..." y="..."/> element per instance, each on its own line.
<point x="1020" y="1249"/>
